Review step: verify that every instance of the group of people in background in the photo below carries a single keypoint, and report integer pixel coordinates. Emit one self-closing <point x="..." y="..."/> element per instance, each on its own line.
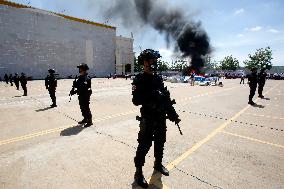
<point x="17" y="80"/>
<point x="81" y="87"/>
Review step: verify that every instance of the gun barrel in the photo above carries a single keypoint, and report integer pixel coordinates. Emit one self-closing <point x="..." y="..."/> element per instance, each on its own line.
<point x="179" y="129"/>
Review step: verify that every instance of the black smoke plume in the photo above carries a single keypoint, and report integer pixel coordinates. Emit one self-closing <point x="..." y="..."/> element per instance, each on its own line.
<point x="188" y="36"/>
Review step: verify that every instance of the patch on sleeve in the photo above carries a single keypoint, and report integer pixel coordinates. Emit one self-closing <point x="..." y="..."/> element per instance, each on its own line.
<point x="133" y="87"/>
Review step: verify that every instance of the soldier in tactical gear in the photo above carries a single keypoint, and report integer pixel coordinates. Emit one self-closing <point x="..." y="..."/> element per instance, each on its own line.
<point x="50" y="85"/>
<point x="17" y="80"/>
<point x="82" y="87"/>
<point x="261" y="81"/>
<point x="252" y="81"/>
<point x="6" y="78"/>
<point x="11" y="79"/>
<point x="148" y="90"/>
<point x="23" y="81"/>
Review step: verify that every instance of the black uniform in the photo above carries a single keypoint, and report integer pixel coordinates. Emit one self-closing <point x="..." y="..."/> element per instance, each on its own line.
<point x="11" y="79"/>
<point x="17" y="81"/>
<point x="242" y="79"/>
<point x="51" y="84"/>
<point x="23" y="81"/>
<point x="253" y="79"/>
<point x="6" y="77"/>
<point x="84" y="91"/>
<point x="261" y="82"/>
<point x="148" y="91"/>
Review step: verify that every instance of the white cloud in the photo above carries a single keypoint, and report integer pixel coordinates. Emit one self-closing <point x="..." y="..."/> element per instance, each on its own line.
<point x="166" y="54"/>
<point x="273" y="31"/>
<point x="256" y="28"/>
<point x="239" y="11"/>
<point x="240" y="35"/>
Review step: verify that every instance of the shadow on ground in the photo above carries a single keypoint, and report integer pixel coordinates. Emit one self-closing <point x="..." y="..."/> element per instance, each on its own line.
<point x="17" y="96"/>
<point x="72" y="130"/>
<point x="266" y="98"/>
<point x="43" y="109"/>
<point x="154" y="183"/>
<point x="258" y="106"/>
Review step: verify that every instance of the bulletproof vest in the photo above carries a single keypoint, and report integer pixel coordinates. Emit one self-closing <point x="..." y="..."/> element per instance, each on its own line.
<point x="51" y="82"/>
<point x="83" y="85"/>
<point x="144" y="87"/>
<point x="262" y="77"/>
<point x="253" y="79"/>
<point x="23" y="80"/>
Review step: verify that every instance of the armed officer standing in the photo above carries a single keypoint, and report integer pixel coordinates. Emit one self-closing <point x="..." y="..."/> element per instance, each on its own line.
<point x="148" y="90"/>
<point x="261" y="81"/>
<point x="23" y="81"/>
<point x="17" y="80"/>
<point x="50" y="85"/>
<point x="11" y="79"/>
<point x="6" y="78"/>
<point x="252" y="81"/>
<point x="82" y="87"/>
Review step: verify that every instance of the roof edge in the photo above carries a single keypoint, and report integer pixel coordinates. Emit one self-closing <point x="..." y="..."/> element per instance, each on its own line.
<point x="17" y="5"/>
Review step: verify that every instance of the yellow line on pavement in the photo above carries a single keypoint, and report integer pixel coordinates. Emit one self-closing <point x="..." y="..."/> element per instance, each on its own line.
<point x="182" y="157"/>
<point x="205" y="94"/>
<point x="259" y="115"/>
<point x="253" y="139"/>
<point x="45" y="132"/>
<point x="203" y="141"/>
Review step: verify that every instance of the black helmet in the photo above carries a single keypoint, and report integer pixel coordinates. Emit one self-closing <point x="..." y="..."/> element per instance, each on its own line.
<point x="148" y="54"/>
<point x="83" y="65"/>
<point x="253" y="69"/>
<point x="51" y="71"/>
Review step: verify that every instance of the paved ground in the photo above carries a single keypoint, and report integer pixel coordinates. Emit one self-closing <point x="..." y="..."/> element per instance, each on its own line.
<point x="226" y="143"/>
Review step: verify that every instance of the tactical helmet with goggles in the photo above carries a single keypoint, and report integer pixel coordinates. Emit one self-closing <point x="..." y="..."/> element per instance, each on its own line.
<point x="148" y="54"/>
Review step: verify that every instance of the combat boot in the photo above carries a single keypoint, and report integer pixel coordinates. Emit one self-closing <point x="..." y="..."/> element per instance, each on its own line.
<point x="89" y="123"/>
<point x="162" y="169"/>
<point x="139" y="178"/>
<point x="251" y="103"/>
<point x="83" y="121"/>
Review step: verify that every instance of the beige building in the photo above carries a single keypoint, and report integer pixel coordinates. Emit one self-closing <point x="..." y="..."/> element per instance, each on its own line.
<point x="34" y="40"/>
<point x="124" y="56"/>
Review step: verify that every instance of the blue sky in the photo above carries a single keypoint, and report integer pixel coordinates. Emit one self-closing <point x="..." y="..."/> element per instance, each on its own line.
<point x="235" y="27"/>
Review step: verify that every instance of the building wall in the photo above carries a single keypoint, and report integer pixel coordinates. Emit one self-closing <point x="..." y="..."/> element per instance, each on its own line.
<point x="33" y="40"/>
<point x="124" y="54"/>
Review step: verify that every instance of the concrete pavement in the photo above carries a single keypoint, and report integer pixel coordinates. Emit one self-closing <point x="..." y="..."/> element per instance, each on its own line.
<point x="226" y="143"/>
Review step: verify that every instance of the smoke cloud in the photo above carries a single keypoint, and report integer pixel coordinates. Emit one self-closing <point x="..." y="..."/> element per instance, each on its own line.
<point x="187" y="36"/>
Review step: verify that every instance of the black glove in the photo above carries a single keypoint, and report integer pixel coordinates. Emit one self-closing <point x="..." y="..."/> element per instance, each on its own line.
<point x="173" y="116"/>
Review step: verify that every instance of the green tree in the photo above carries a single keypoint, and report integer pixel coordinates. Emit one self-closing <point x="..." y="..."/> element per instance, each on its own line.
<point x="162" y="66"/>
<point x="210" y="64"/>
<point x="229" y="63"/>
<point x="137" y="66"/>
<point x="179" y="65"/>
<point x="260" y="59"/>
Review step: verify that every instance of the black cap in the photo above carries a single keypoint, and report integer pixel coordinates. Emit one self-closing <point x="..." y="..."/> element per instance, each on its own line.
<point x="83" y="65"/>
<point x="51" y="71"/>
<point x="23" y="73"/>
<point x="148" y="54"/>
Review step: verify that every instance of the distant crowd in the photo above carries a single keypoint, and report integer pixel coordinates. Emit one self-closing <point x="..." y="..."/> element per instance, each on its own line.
<point x="17" y="80"/>
<point x="229" y="75"/>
